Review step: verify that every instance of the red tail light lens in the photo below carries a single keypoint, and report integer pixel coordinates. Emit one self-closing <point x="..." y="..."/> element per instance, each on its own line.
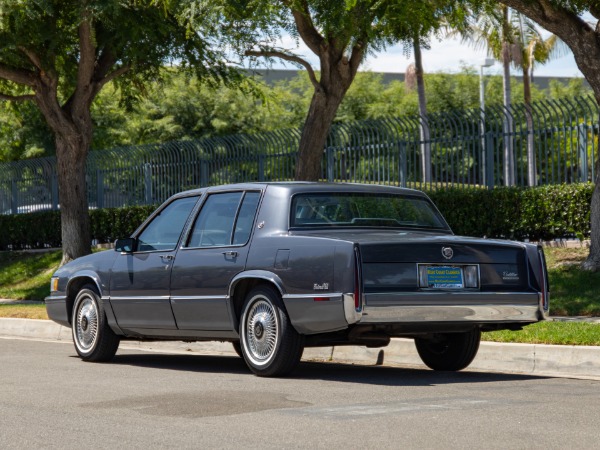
<point x="357" y="278"/>
<point x="545" y="287"/>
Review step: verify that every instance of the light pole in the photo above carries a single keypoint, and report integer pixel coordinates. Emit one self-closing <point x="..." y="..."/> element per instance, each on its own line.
<point x="487" y="62"/>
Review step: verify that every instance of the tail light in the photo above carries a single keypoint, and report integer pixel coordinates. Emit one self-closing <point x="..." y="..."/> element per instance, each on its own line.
<point x="545" y="287"/>
<point x="357" y="281"/>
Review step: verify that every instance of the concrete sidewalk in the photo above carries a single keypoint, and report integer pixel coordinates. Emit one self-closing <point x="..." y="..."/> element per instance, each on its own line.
<point x="531" y="359"/>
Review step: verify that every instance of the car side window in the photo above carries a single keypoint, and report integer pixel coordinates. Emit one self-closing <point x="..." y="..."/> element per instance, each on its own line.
<point x="163" y="232"/>
<point x="214" y="224"/>
<point x="243" y="225"/>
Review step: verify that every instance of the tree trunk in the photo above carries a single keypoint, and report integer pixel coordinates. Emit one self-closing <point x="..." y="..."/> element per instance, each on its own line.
<point x="339" y="55"/>
<point x="424" y="129"/>
<point x="322" y="111"/>
<point x="71" y="125"/>
<point x="592" y="263"/>
<point x="72" y="188"/>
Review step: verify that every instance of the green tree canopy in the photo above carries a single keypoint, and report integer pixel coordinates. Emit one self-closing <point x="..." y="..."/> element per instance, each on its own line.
<point x="216" y="109"/>
<point x="338" y="34"/>
<point x="59" y="54"/>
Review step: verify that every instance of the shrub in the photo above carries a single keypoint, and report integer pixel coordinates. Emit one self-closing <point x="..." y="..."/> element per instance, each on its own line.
<point x="540" y="213"/>
<point x="112" y="223"/>
<point x="42" y="229"/>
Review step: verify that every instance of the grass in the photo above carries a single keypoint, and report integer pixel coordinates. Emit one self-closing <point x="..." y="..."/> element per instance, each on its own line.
<point x="557" y="333"/>
<point x="573" y="292"/>
<point x="24" y="311"/>
<point x="26" y="276"/>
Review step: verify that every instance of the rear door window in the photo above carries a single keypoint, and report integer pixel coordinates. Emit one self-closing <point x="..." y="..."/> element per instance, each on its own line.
<point x="225" y="219"/>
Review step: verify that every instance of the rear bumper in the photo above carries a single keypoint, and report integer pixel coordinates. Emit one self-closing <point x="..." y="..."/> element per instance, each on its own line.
<point x="471" y="307"/>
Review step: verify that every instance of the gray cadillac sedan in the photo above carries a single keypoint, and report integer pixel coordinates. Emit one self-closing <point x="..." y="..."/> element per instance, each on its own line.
<point x="277" y="267"/>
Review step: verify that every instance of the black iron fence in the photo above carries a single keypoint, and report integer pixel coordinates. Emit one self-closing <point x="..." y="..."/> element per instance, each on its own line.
<point x="549" y="142"/>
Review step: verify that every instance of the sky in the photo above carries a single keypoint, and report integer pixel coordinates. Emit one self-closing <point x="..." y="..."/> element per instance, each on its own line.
<point x="447" y="55"/>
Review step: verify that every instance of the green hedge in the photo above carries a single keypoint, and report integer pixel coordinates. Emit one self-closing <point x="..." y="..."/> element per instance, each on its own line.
<point x="541" y="213"/>
<point x="42" y="229"/>
<point x="546" y="212"/>
<point x="34" y="230"/>
<point x="113" y="223"/>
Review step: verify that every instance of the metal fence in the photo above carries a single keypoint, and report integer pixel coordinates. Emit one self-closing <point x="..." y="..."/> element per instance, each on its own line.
<point x="467" y="148"/>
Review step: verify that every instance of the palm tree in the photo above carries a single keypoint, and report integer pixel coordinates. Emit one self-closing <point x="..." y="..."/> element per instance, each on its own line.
<point x="417" y="72"/>
<point x="494" y="32"/>
<point x="534" y="49"/>
<point x="430" y="18"/>
<point x="513" y="39"/>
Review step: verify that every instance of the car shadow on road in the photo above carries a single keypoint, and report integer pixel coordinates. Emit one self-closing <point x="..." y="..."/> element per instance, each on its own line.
<point x="397" y="375"/>
<point x="324" y="371"/>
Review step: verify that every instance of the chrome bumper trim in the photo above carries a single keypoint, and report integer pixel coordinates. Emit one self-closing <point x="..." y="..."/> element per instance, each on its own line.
<point x="452" y="307"/>
<point x="52" y="298"/>
<point x="333" y="296"/>
<point x="350" y="312"/>
<point x="455" y="313"/>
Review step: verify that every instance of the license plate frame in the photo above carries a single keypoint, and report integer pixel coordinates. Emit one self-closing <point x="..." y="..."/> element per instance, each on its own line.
<point x="439" y="276"/>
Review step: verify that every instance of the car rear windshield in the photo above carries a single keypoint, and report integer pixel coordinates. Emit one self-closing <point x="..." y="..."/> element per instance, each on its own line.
<point x="364" y="210"/>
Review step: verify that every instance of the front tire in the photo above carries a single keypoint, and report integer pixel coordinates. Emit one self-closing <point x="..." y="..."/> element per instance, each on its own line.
<point x="449" y="351"/>
<point x="237" y="347"/>
<point x="94" y="340"/>
<point x="270" y="345"/>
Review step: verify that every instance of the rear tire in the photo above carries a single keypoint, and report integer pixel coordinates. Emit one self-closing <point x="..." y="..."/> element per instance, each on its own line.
<point x="270" y="345"/>
<point x="94" y="340"/>
<point x="449" y="351"/>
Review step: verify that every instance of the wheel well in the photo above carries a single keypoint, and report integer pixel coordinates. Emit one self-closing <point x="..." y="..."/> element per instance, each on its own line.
<point x="241" y="291"/>
<point x="74" y="287"/>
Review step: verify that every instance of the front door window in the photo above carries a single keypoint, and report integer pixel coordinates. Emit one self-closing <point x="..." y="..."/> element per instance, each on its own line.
<point x="163" y="232"/>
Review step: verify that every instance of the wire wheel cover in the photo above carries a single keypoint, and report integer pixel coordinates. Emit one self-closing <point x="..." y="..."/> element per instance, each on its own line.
<point x="261" y="331"/>
<point x="86" y="325"/>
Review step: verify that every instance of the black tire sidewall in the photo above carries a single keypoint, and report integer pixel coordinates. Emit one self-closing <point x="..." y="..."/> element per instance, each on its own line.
<point x="106" y="342"/>
<point x="288" y="348"/>
<point x="460" y="352"/>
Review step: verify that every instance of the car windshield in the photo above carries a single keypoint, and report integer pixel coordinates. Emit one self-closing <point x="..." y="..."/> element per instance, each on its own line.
<point x="364" y="210"/>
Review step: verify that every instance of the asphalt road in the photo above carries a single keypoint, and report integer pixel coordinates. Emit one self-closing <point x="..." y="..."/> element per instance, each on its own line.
<point x="51" y="399"/>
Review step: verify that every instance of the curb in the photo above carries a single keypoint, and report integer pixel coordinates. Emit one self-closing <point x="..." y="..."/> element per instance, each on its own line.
<point x="530" y="359"/>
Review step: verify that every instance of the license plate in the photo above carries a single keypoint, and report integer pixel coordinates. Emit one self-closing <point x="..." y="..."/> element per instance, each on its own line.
<point x="444" y="277"/>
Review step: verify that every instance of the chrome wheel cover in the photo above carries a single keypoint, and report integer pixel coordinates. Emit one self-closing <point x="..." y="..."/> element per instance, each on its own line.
<point x="261" y="332"/>
<point x="86" y="324"/>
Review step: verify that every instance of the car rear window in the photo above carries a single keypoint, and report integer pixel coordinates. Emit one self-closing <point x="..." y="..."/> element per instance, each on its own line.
<point x="364" y="210"/>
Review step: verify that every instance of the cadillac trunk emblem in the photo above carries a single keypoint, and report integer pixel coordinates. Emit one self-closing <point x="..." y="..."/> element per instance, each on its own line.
<point x="447" y="252"/>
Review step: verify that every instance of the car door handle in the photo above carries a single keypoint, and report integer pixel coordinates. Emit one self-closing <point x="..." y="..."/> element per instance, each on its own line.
<point x="231" y="253"/>
<point x="167" y="257"/>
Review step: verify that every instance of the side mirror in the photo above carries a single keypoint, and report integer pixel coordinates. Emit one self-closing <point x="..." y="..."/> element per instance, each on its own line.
<point x="126" y="245"/>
